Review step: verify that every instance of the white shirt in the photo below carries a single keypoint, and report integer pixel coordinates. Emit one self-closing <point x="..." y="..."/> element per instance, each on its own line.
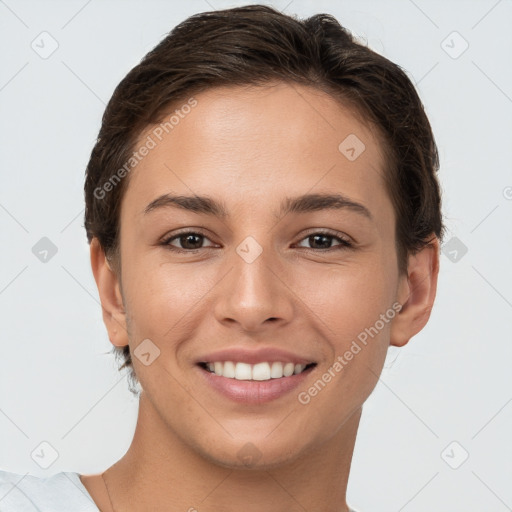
<point x="62" y="492"/>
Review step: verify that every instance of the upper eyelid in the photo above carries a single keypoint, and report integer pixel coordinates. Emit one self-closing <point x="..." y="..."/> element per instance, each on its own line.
<point x="343" y="241"/>
<point x="186" y="231"/>
<point x="313" y="231"/>
<point x="328" y="232"/>
<point x="168" y="239"/>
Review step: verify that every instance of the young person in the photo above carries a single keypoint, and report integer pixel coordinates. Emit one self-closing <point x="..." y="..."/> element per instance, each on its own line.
<point x="264" y="220"/>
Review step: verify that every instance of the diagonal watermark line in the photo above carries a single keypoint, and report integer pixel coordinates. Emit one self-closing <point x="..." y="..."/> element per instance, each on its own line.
<point x="486" y="14"/>
<point x="389" y="388"/>
<point x="82" y="82"/>
<point x="427" y="73"/>
<point x="405" y="504"/>
<point x="287" y="5"/>
<point x="13" y="13"/>
<point x="81" y="419"/>
<point x="27" y="497"/>
<point x="14" y="423"/>
<point x="13" y="279"/>
<point x="321" y="320"/>
<point x="81" y="285"/>
<point x="195" y="303"/>
<point x="506" y="505"/>
<point x="493" y="287"/>
<point x="86" y="494"/>
<point x="201" y="298"/>
<point x="217" y="486"/>
<point x="212" y="7"/>
<point x="286" y="491"/>
<point x="198" y="402"/>
<point x="309" y="190"/>
<point x="92" y="296"/>
<point x="14" y="486"/>
<point x="13" y="218"/>
<point x="412" y="290"/>
<point x="76" y="14"/>
<point x="295" y="89"/>
<point x="72" y="220"/>
<point x="492" y="81"/>
<point x="427" y="276"/>
<point x="369" y="166"/>
<point x="506" y="403"/>
<point x="492" y="211"/>
<point x="424" y="14"/>
<point x="192" y="191"/>
<point x="282" y="421"/>
<point x="14" y="76"/>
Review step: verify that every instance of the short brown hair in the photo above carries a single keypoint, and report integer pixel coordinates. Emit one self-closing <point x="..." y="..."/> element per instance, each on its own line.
<point x="257" y="45"/>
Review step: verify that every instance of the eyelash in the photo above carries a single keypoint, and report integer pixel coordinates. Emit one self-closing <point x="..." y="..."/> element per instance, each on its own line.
<point x="344" y="243"/>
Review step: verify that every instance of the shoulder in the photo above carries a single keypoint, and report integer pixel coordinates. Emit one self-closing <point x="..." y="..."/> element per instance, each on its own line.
<point x="57" y="493"/>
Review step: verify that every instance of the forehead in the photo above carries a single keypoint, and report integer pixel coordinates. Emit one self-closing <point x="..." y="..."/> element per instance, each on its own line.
<point x="258" y="143"/>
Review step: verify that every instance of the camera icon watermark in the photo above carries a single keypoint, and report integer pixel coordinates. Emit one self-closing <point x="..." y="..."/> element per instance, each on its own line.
<point x="454" y="249"/>
<point x="351" y="147"/>
<point x="454" y="45"/>
<point x="249" y="454"/>
<point x="45" y="45"/>
<point x="249" y="249"/>
<point x="44" y="454"/>
<point x="146" y="352"/>
<point x="455" y="455"/>
<point x="44" y="250"/>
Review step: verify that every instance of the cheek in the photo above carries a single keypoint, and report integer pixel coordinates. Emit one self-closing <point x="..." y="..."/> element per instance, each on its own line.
<point x="353" y="309"/>
<point x="347" y="299"/>
<point x="357" y="307"/>
<point x="163" y="297"/>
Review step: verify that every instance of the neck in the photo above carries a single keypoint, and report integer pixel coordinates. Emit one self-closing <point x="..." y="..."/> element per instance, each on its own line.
<point x="161" y="472"/>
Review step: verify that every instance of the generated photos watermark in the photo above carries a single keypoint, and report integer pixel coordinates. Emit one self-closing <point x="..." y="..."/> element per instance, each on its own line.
<point x="151" y="141"/>
<point x="341" y="361"/>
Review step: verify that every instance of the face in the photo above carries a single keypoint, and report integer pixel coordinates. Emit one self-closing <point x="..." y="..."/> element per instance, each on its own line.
<point x="249" y="271"/>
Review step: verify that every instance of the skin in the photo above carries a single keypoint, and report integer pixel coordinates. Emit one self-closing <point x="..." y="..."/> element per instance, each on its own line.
<point x="249" y="148"/>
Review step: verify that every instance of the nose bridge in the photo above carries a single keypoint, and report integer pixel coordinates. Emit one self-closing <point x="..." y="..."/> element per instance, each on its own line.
<point x="254" y="293"/>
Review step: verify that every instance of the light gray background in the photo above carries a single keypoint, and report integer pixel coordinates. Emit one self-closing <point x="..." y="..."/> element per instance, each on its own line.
<point x="452" y="382"/>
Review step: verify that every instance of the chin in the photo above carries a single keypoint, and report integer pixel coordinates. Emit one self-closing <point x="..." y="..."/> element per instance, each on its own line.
<point x="255" y="454"/>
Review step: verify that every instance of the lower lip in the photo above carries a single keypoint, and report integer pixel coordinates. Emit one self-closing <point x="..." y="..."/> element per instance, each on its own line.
<point x="254" y="391"/>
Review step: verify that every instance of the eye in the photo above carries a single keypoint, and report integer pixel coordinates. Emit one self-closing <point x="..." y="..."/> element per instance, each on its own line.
<point x="188" y="240"/>
<point x="192" y="241"/>
<point x="323" y="241"/>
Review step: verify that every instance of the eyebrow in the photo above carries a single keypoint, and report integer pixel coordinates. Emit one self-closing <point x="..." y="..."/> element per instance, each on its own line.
<point x="301" y="204"/>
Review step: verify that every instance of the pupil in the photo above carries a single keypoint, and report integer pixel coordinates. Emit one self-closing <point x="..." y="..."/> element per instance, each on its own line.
<point x="189" y="239"/>
<point x="315" y="238"/>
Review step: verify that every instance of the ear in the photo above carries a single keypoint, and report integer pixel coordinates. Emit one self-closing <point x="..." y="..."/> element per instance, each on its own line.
<point x="109" y="289"/>
<point x="416" y="294"/>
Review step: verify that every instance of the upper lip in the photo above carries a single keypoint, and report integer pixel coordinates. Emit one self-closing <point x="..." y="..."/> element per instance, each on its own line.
<point x="260" y="355"/>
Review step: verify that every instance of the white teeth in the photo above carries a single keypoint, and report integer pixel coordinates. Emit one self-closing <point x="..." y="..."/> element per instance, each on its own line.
<point x="259" y="371"/>
<point x="298" y="368"/>
<point x="288" y="369"/>
<point x="276" y="372"/>
<point x="229" y="370"/>
<point x="242" y="371"/>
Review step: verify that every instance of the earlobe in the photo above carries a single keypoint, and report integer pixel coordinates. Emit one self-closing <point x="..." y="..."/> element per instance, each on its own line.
<point x="416" y="294"/>
<point x="111" y="299"/>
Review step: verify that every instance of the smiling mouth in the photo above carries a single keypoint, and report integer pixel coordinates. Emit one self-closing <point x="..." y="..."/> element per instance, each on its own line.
<point x="255" y="372"/>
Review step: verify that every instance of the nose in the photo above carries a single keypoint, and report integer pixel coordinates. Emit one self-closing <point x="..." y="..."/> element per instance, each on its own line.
<point x="254" y="296"/>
